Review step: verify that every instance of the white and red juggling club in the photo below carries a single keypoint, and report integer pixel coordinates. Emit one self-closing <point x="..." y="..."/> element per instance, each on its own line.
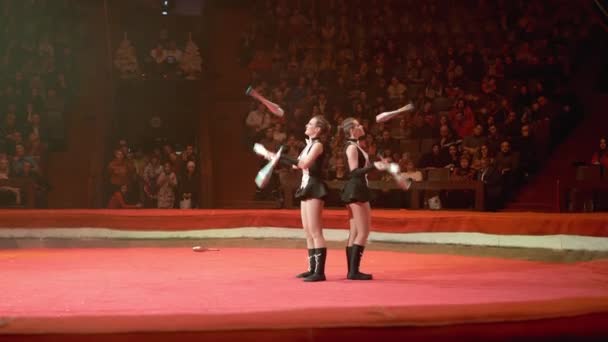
<point x="272" y="107"/>
<point x="386" y="116"/>
<point x="264" y="175"/>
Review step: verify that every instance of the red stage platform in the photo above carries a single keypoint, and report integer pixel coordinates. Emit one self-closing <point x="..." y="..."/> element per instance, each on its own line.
<point x="160" y="294"/>
<point x="394" y="221"/>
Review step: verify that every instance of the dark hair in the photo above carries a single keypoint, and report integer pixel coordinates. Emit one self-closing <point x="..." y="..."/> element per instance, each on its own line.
<point x="347" y="125"/>
<point x="323" y="124"/>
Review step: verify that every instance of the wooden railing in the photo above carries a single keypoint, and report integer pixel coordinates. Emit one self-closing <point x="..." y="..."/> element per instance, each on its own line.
<point x="588" y="181"/>
<point x="26" y="189"/>
<point x="570" y="192"/>
<point x="290" y="183"/>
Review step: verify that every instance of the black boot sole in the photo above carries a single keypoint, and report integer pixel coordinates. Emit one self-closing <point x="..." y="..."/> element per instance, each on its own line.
<point x="315" y="277"/>
<point x="359" y="276"/>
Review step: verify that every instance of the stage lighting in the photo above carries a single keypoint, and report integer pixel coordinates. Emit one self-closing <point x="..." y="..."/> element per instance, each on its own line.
<point x="166" y="6"/>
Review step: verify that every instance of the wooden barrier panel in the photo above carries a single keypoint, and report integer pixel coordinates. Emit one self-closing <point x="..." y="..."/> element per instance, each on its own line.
<point x="290" y="183"/>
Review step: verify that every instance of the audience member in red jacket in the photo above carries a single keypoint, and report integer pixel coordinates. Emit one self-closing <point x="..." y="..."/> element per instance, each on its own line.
<point x="118" y="200"/>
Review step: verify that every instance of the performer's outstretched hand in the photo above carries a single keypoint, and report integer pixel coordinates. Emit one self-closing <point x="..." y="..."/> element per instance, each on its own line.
<point x="259" y="149"/>
<point x="381" y="165"/>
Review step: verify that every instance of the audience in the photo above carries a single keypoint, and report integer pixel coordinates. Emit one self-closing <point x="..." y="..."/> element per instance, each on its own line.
<point x="36" y="88"/>
<point x="455" y="64"/>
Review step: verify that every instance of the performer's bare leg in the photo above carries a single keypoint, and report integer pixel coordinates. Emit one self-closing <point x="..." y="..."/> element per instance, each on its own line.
<point x="352" y="233"/>
<point x="306" y="226"/>
<point x="361" y="217"/>
<point x="309" y="242"/>
<point x="314" y="208"/>
<point x="362" y="222"/>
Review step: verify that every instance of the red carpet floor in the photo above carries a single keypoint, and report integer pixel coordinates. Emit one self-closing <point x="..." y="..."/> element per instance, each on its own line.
<point x="253" y="293"/>
<point x="394" y="221"/>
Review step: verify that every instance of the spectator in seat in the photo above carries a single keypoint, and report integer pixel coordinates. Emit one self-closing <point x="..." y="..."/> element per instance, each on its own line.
<point x="462" y="172"/>
<point x="9" y="130"/>
<point x="189" y="187"/>
<point x="507" y="163"/>
<point x="117" y="201"/>
<point x="494" y="139"/>
<point x="370" y="146"/>
<point x="512" y="125"/>
<point x="452" y="157"/>
<point x="446" y="139"/>
<point x="526" y="147"/>
<point x="491" y="179"/>
<point x="339" y="172"/>
<point x="411" y="172"/>
<point x="421" y="128"/>
<point x="401" y="131"/>
<point x="433" y="159"/>
<point x="40" y="185"/>
<point x="433" y="90"/>
<point x="396" y="90"/>
<point x="279" y="134"/>
<point x="20" y="159"/>
<point x="268" y="140"/>
<point x="293" y="147"/>
<point x="34" y="146"/>
<point x="189" y="154"/>
<point x="119" y="170"/>
<point x="473" y="143"/>
<point x="387" y="142"/>
<point x="257" y="121"/>
<point x="463" y="123"/>
<point x="5" y="169"/>
<point x="36" y="126"/>
<point x="601" y="156"/>
<point x="9" y="195"/>
<point x="482" y="153"/>
<point x="167" y="184"/>
<point x="151" y="172"/>
<point x="444" y="119"/>
<point x="177" y="165"/>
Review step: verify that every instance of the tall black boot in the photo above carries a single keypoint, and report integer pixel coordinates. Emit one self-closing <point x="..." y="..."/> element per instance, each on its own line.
<point x="311" y="264"/>
<point x="355" y="261"/>
<point x="319" y="273"/>
<point x="349" y="251"/>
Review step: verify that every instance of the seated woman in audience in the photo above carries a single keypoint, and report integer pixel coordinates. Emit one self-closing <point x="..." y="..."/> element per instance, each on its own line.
<point x="484" y="152"/>
<point x="453" y="157"/>
<point x="463" y="172"/>
<point x="339" y="171"/>
<point x="412" y="172"/>
<point x="601" y="156"/>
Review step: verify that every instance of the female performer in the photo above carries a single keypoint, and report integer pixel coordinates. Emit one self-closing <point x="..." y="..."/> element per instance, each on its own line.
<point x="311" y="194"/>
<point x="356" y="196"/>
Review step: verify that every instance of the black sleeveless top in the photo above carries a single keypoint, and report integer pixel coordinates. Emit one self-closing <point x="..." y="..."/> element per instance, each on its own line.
<point x="316" y="169"/>
<point x="356" y="189"/>
<point x="361" y="161"/>
<point x="314" y="187"/>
